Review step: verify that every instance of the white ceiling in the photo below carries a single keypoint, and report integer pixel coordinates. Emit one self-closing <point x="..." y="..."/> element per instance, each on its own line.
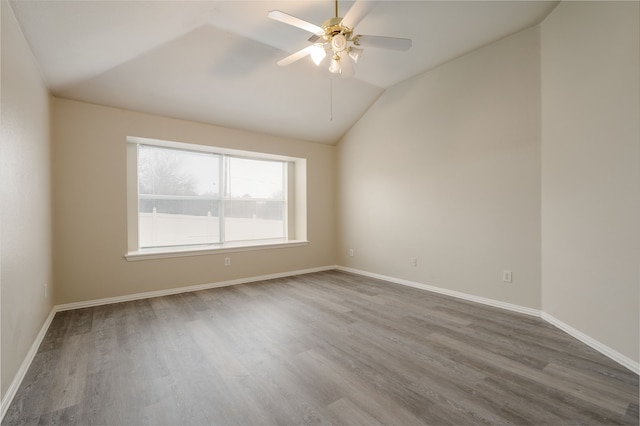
<point x="215" y="61"/>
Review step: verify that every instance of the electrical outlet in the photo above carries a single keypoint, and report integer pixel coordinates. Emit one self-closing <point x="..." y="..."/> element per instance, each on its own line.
<point x="351" y="253"/>
<point x="46" y="290"/>
<point x="414" y="261"/>
<point x="507" y="276"/>
<point x="227" y="261"/>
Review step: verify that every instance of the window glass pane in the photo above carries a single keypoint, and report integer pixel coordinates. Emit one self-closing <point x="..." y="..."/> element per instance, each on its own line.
<point x="178" y="197"/>
<point x="259" y="179"/>
<point x="256" y="202"/>
<point x="254" y="220"/>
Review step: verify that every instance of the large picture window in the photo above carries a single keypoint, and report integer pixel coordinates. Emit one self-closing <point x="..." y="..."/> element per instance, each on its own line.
<point x="194" y="197"/>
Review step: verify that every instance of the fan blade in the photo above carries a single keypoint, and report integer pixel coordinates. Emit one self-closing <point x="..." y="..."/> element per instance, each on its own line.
<point x="382" y="42"/>
<point x="346" y="66"/>
<point x="277" y="15"/>
<point x="295" y="56"/>
<point x="358" y="11"/>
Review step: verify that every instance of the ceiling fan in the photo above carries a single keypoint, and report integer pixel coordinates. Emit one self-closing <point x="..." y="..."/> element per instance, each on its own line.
<point x="337" y="37"/>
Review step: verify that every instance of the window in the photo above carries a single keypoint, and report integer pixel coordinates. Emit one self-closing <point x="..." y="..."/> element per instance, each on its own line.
<point x="193" y="198"/>
<point x="186" y="198"/>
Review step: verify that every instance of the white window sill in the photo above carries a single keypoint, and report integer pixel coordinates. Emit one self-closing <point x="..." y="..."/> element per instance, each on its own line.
<point x="167" y="252"/>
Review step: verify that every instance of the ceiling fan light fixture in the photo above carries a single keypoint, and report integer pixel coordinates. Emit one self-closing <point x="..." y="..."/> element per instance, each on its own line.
<point x="317" y="54"/>
<point x="338" y="38"/>
<point x="335" y="65"/>
<point x="355" y="53"/>
<point x="338" y="43"/>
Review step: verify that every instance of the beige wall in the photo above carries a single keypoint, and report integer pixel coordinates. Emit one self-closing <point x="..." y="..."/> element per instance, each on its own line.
<point x="445" y="167"/>
<point x="25" y="199"/>
<point x="591" y="170"/>
<point x="90" y="216"/>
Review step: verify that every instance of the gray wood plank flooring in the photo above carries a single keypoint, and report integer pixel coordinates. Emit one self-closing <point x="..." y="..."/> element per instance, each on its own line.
<point x="323" y="348"/>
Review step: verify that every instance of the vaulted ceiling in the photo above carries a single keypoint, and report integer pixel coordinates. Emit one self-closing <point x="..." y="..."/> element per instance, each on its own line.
<point x="215" y="61"/>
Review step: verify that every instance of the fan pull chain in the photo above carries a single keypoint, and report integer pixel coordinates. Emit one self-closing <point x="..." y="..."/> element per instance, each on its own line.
<point x="330" y="99"/>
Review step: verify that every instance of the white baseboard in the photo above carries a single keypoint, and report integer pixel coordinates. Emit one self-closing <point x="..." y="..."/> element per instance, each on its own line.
<point x="452" y="293"/>
<point x="598" y="346"/>
<point x="159" y="293"/>
<point x="590" y="341"/>
<point x="26" y="363"/>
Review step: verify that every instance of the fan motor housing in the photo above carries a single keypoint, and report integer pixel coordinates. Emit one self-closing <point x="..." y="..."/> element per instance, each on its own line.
<point x="333" y="27"/>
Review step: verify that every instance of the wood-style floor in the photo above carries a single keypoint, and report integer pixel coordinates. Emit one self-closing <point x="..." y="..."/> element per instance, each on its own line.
<point x="324" y="348"/>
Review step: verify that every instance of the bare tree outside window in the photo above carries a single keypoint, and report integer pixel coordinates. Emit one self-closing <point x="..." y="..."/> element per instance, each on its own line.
<point x="162" y="171"/>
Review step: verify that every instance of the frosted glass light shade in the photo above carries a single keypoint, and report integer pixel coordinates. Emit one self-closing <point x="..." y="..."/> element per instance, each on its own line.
<point x="335" y="65"/>
<point x="317" y="54"/>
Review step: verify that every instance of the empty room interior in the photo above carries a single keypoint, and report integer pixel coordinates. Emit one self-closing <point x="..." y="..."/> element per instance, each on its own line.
<point x="285" y="212"/>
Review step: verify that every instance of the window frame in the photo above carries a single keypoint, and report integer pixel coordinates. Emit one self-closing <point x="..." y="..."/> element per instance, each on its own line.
<point x="295" y="216"/>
